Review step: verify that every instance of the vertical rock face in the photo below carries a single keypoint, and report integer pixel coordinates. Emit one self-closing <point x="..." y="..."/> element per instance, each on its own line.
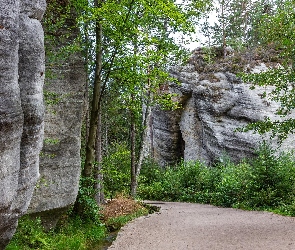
<point x="60" y="161"/>
<point x="213" y="107"/>
<point x="21" y="108"/>
<point x="11" y="117"/>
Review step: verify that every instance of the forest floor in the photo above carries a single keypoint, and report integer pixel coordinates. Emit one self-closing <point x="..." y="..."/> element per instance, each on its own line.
<point x="119" y="206"/>
<point x="179" y="226"/>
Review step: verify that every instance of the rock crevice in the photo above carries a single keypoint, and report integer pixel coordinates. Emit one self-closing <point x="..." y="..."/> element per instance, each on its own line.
<point x="205" y="128"/>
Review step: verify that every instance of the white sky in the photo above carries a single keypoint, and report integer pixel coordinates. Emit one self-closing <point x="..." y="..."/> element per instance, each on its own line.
<point x="199" y="36"/>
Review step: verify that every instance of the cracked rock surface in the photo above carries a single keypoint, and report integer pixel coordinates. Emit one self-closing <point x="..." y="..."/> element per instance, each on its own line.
<point x="205" y="128"/>
<point x="21" y="108"/>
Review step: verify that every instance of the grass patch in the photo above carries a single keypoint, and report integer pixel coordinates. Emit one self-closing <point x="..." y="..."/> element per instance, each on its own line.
<point x="75" y="233"/>
<point x="70" y="234"/>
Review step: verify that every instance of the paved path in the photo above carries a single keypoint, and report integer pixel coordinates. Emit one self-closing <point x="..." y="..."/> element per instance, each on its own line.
<point x="181" y="226"/>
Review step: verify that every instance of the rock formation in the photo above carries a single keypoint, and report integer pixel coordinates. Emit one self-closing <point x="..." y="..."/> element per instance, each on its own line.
<point x="215" y="102"/>
<point x="21" y="108"/>
<point x="60" y="161"/>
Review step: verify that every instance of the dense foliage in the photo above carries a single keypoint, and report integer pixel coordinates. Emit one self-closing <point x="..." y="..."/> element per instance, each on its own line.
<point x="266" y="182"/>
<point x="70" y="234"/>
<point x="116" y="170"/>
<point x="128" y="46"/>
<point x="277" y="31"/>
<point x="76" y="233"/>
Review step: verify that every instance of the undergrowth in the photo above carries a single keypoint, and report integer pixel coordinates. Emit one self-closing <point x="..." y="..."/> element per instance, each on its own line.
<point x="264" y="183"/>
<point x="70" y="234"/>
<point x="74" y="232"/>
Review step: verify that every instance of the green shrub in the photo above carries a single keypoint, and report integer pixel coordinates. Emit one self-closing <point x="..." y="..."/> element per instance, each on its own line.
<point x="272" y="178"/>
<point x="264" y="182"/>
<point x="116" y="170"/>
<point x="29" y="235"/>
<point x="233" y="185"/>
<point x="72" y="234"/>
<point x="150" y="172"/>
<point x="88" y="207"/>
<point x="188" y="181"/>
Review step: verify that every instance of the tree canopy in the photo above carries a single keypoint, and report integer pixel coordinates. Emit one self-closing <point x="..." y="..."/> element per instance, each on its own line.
<point x="128" y="47"/>
<point x="277" y="31"/>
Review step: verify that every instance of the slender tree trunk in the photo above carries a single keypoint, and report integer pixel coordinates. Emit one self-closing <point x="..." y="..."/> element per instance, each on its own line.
<point x="95" y="106"/>
<point x="86" y="106"/>
<point x="144" y="132"/>
<point x="86" y="114"/>
<point x="98" y="89"/>
<point x="132" y="153"/>
<point x="143" y="138"/>
<point x="98" y="187"/>
<point x="106" y="135"/>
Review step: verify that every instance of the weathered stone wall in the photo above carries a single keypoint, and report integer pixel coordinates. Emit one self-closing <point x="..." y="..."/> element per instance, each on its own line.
<point x="21" y="108"/>
<point x="212" y="109"/>
<point x="60" y="161"/>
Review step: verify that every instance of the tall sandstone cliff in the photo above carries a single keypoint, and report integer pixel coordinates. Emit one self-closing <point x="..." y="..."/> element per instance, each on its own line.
<point x="21" y="108"/>
<point x="60" y="161"/>
<point x="215" y="102"/>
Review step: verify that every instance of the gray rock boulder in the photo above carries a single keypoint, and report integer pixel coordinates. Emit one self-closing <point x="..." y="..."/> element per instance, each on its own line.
<point x="213" y="107"/>
<point x="21" y="108"/>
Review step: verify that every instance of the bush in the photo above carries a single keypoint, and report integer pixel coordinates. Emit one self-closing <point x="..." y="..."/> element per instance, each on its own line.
<point x="265" y="182"/>
<point x="116" y="170"/>
<point x="29" y="235"/>
<point x="87" y="206"/>
<point x="190" y="181"/>
<point x="272" y="177"/>
<point x="234" y="184"/>
<point x="71" y="233"/>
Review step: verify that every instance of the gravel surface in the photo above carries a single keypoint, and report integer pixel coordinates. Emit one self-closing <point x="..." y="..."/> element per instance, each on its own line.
<point x="194" y="226"/>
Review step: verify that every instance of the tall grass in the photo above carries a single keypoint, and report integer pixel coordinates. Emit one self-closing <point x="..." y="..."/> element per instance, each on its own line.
<point x="266" y="182"/>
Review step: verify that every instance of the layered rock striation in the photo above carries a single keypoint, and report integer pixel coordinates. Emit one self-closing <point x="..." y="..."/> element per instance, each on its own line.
<point x="64" y="90"/>
<point x="21" y="108"/>
<point x="214" y="105"/>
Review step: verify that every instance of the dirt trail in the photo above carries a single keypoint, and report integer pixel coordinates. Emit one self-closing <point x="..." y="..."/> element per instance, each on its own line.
<point x="193" y="226"/>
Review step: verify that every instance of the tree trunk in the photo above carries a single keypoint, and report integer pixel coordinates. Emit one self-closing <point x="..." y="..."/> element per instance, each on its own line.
<point x="143" y="138"/>
<point x="133" y="185"/>
<point x="98" y="176"/>
<point x="88" y="170"/>
<point x="86" y="106"/>
<point x="95" y="106"/>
